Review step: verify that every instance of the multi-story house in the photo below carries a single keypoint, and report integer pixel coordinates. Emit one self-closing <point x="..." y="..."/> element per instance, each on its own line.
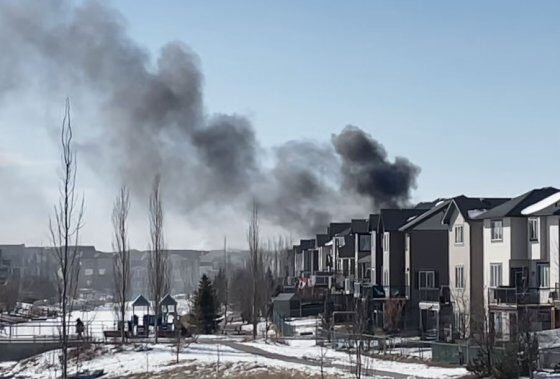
<point x="426" y="272"/>
<point x="393" y="246"/>
<point x="376" y="250"/>
<point x="306" y="258"/>
<point x="466" y="258"/>
<point x="517" y="275"/>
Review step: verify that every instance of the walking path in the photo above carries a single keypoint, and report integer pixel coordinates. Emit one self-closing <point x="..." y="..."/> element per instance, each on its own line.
<point x="309" y="362"/>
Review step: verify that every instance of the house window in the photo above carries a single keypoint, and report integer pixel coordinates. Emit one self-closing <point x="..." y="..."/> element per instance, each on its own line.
<point x="364" y="242"/>
<point x="88" y="272"/>
<point x="495" y="274"/>
<point x="459" y="239"/>
<point x="459" y="277"/>
<point x="386" y="242"/>
<point x="533" y="229"/>
<point x="496" y="228"/>
<point x="426" y="279"/>
<point x="101" y="271"/>
<point x="543" y="277"/>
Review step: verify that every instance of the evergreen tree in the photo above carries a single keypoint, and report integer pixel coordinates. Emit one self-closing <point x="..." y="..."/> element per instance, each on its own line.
<point x="205" y="308"/>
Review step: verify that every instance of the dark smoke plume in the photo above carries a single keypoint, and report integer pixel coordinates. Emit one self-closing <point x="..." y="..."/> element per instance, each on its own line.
<point x="150" y="119"/>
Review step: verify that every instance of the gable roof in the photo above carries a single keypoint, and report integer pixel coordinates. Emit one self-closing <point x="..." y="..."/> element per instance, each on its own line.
<point x="140" y="301"/>
<point x="471" y="207"/>
<point x="513" y="207"/>
<point x="322" y="239"/>
<point x="393" y="219"/>
<point x="168" y="301"/>
<point x="359" y="226"/>
<point x="336" y="227"/>
<point x="437" y="210"/>
<point x="373" y="221"/>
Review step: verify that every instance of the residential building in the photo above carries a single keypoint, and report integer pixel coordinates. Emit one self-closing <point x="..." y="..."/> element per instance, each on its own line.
<point x="426" y="273"/>
<point x="466" y="258"/>
<point x="393" y="246"/>
<point x="517" y="277"/>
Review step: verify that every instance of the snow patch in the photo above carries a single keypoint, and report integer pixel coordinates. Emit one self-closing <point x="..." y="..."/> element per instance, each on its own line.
<point x="539" y="206"/>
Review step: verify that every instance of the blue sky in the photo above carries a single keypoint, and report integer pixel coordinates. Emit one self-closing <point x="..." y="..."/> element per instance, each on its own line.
<point x="469" y="91"/>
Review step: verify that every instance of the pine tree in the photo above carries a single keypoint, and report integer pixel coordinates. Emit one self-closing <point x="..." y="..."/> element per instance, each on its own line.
<point x="205" y="308"/>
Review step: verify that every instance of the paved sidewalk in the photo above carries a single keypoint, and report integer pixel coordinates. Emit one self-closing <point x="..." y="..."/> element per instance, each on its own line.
<point x="309" y="362"/>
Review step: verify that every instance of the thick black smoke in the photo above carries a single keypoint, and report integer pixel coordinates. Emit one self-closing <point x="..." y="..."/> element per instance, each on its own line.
<point x="150" y="119"/>
<point x="367" y="171"/>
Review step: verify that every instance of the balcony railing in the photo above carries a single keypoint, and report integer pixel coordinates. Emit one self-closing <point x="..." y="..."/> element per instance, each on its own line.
<point x="429" y="294"/>
<point x="516" y="296"/>
<point x="395" y="291"/>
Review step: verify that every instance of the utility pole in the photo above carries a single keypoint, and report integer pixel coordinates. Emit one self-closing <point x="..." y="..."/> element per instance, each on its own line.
<point x="226" y="279"/>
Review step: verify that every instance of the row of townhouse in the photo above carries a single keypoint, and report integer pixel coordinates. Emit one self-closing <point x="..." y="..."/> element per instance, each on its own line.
<point x="452" y="262"/>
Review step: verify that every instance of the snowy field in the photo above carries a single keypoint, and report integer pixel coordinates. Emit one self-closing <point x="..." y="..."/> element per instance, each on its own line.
<point x="308" y="350"/>
<point x="214" y="358"/>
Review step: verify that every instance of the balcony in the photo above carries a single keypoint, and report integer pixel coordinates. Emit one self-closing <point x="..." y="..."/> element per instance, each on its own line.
<point x="518" y="296"/>
<point x="434" y="295"/>
<point x="392" y="292"/>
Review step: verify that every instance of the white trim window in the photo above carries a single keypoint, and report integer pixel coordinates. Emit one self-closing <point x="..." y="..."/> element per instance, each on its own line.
<point x="386" y="242"/>
<point x="88" y="272"/>
<point x="496" y="230"/>
<point x="495" y="274"/>
<point x="533" y="229"/>
<point x="459" y="277"/>
<point x="459" y="235"/>
<point x="426" y="279"/>
<point x="543" y="275"/>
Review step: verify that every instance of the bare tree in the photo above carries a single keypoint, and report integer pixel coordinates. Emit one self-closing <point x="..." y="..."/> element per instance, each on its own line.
<point x="64" y="227"/>
<point x="121" y="257"/>
<point x="157" y="263"/>
<point x="254" y="251"/>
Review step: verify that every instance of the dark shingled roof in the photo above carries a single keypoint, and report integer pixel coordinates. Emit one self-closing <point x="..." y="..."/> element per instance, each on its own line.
<point x="465" y="204"/>
<point x="373" y="221"/>
<point x="322" y="239"/>
<point x="336" y="227"/>
<point x="513" y="207"/>
<point x="168" y="301"/>
<point x="359" y="226"/>
<point x="393" y="219"/>
<point x="140" y="301"/>
<point x="307" y="244"/>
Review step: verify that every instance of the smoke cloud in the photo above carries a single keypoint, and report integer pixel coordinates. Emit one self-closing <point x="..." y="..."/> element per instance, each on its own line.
<point x="152" y="120"/>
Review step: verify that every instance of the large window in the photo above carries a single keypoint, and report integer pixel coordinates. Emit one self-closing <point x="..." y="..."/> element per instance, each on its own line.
<point x="459" y="238"/>
<point x="426" y="279"/>
<point x="496" y="229"/>
<point x="459" y="277"/>
<point x="495" y="274"/>
<point x="543" y="277"/>
<point x="533" y="229"/>
<point x="386" y="242"/>
<point x="364" y="242"/>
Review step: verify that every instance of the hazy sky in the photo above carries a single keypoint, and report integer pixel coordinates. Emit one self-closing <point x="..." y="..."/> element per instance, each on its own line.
<point x="467" y="91"/>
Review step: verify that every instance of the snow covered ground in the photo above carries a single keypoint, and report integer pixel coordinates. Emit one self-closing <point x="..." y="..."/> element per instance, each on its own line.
<point x="308" y="350"/>
<point x="162" y="358"/>
<point x="212" y="356"/>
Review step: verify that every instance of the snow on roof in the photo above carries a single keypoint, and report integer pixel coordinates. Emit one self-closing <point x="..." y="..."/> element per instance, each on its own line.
<point x="474" y="213"/>
<point x="410" y="218"/>
<point x="540" y="205"/>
